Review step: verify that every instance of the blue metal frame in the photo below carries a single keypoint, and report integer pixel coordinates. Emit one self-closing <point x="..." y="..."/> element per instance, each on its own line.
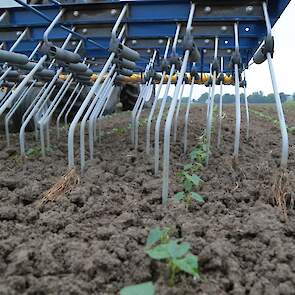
<point x="147" y="21"/>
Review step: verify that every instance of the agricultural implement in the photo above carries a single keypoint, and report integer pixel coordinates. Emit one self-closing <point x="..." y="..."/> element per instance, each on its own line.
<point x="73" y="61"/>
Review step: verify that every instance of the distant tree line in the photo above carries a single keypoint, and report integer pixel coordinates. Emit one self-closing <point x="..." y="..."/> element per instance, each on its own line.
<point x="255" y="97"/>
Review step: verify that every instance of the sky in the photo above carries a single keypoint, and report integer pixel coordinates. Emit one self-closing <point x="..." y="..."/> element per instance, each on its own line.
<point x="258" y="77"/>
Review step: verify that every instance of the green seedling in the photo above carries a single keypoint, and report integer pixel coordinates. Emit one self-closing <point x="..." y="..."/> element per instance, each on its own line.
<point x="266" y="117"/>
<point x="34" y="152"/>
<point x="157" y="234"/>
<point x="119" y="130"/>
<point x="275" y="122"/>
<point x="176" y="254"/>
<point x="189" y="182"/>
<point x="140" y="289"/>
<point x="16" y="159"/>
<point x="188" y="198"/>
<point x="142" y="122"/>
<point x="291" y="130"/>
<point x="199" y="154"/>
<point x="193" y="167"/>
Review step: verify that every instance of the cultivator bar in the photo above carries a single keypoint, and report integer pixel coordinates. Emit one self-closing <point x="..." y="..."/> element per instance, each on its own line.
<point x="64" y="59"/>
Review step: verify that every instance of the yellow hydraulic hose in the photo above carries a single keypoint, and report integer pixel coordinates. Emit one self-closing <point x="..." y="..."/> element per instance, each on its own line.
<point x="136" y="78"/>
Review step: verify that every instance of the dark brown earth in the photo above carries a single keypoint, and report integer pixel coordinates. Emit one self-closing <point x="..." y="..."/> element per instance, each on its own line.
<point x="92" y="240"/>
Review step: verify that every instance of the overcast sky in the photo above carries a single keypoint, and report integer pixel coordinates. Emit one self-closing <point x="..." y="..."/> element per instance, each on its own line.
<point x="284" y="62"/>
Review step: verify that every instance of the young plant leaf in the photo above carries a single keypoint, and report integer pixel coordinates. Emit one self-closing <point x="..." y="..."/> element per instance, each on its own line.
<point x="179" y="196"/>
<point x="197" y="197"/>
<point x="177" y="250"/>
<point x="140" y="289"/>
<point x="193" y="154"/>
<point x="159" y="252"/>
<point x="188" y="264"/>
<point x="195" y="179"/>
<point x="187" y="185"/>
<point x="180" y="174"/>
<point x="188" y="166"/>
<point x="154" y="236"/>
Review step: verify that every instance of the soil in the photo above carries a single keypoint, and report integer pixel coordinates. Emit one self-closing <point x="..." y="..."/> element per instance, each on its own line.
<point x="92" y="240"/>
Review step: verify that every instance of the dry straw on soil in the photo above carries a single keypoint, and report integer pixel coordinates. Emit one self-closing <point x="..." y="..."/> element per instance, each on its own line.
<point x="283" y="197"/>
<point x="63" y="186"/>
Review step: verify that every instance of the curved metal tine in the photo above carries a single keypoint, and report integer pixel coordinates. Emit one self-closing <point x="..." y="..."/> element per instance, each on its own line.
<point x="28" y="76"/>
<point x="82" y="109"/>
<point x="209" y="95"/>
<point x="100" y="93"/>
<point x="237" y="94"/>
<point x="30" y="116"/>
<point x="187" y="115"/>
<point x="36" y="116"/>
<point x="48" y="119"/>
<point x="93" y="107"/>
<point x="246" y="107"/>
<point x="3" y="15"/>
<point x="19" y="100"/>
<point x="51" y="64"/>
<point x="95" y="113"/>
<point x="169" y="119"/>
<point x="47" y="90"/>
<point x="43" y="89"/>
<point x="177" y="112"/>
<point x="153" y="108"/>
<point x="220" y="107"/>
<point x="161" y="111"/>
<point x="139" y="101"/>
<point x="64" y="109"/>
<point x="88" y="98"/>
<point x="5" y="97"/>
<point x="119" y="20"/>
<point x="150" y="118"/>
<point x="101" y="113"/>
<point x="135" y="109"/>
<point x="95" y="123"/>
<point x="72" y="105"/>
<point x="43" y="122"/>
<point x="13" y="110"/>
<point x="51" y="85"/>
<point x="137" y="104"/>
<point x="45" y="95"/>
<point x="18" y="40"/>
<point x="33" y="102"/>
<point x="158" y="121"/>
<point x="52" y="25"/>
<point x="283" y="127"/>
<point x="86" y="116"/>
<point x="102" y="104"/>
<point x="145" y="97"/>
<point x="22" y="85"/>
<point x="211" y="106"/>
<point x="66" y="105"/>
<point x="65" y="83"/>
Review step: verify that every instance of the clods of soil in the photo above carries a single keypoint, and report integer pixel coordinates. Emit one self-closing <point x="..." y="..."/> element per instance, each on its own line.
<point x="92" y="240"/>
